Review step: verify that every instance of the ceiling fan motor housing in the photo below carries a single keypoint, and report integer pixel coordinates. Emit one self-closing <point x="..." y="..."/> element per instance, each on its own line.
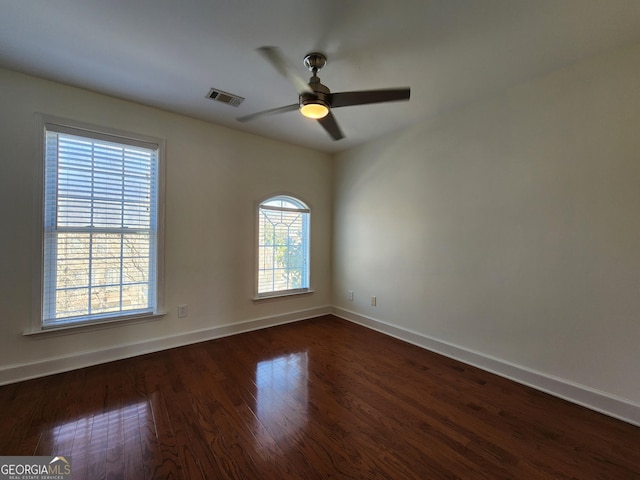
<point x="317" y="100"/>
<point x="320" y="93"/>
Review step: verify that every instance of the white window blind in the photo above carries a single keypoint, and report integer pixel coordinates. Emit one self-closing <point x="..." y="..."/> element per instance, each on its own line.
<point x="283" y="246"/>
<point x="100" y="226"/>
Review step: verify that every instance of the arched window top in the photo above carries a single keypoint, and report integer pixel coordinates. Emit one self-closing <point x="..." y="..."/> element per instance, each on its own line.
<point x="285" y="202"/>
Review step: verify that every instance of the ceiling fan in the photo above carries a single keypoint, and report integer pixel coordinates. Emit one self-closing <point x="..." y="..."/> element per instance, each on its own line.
<point x="315" y="100"/>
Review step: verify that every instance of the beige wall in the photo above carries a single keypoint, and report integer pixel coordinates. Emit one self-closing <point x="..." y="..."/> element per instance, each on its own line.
<point x="214" y="177"/>
<point x="509" y="228"/>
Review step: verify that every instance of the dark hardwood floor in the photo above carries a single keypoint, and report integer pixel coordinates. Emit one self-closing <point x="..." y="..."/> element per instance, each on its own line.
<point x="318" y="399"/>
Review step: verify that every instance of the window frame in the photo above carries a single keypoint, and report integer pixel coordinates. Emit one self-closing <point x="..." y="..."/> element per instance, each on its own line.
<point x="44" y="123"/>
<point x="289" y="292"/>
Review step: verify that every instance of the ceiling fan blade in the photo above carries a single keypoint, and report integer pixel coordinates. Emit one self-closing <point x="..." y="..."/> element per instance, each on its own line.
<point x="347" y="99"/>
<point x="331" y="126"/>
<point x="287" y="108"/>
<point x="275" y="57"/>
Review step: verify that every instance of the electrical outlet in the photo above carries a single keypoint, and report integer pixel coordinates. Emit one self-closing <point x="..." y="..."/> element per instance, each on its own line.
<point x="374" y="301"/>
<point x="182" y="311"/>
<point x="350" y="295"/>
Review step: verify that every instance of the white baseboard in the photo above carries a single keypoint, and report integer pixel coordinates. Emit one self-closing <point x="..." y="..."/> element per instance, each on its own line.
<point x="595" y="400"/>
<point x="611" y="405"/>
<point x="26" y="371"/>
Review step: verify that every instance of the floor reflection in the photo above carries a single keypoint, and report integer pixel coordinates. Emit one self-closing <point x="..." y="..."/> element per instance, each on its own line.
<point x="282" y="394"/>
<point x="100" y="431"/>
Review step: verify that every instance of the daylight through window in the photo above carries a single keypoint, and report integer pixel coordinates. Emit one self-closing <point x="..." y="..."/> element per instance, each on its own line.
<point x="283" y="246"/>
<point x="100" y="226"/>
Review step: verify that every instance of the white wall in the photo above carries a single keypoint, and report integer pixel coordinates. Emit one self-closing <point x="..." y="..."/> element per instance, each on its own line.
<point x="214" y="176"/>
<point x="509" y="229"/>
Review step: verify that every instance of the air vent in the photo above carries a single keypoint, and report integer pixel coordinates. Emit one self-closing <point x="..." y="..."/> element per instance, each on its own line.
<point x="225" y="97"/>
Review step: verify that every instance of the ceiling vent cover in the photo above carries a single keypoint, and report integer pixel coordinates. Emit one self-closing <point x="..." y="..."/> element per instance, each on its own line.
<point x="225" y="97"/>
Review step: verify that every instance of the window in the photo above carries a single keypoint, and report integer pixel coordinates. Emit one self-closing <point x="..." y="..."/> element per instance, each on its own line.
<point x="283" y="246"/>
<point x="101" y="230"/>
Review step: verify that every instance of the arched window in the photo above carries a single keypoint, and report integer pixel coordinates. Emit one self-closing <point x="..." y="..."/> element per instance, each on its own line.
<point x="283" y="246"/>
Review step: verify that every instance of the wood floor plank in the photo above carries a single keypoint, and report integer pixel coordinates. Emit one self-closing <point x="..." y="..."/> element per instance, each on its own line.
<point x="27" y="398"/>
<point x="169" y="465"/>
<point x="115" y="411"/>
<point x="317" y="399"/>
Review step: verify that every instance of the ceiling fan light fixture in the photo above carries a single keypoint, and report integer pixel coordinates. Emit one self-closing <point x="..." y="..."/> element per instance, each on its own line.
<point x="314" y="109"/>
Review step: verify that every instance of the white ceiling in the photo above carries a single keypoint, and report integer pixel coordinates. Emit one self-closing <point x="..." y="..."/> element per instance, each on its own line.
<point x="169" y="53"/>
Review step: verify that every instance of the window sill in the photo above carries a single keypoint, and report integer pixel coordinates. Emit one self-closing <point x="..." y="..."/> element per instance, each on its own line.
<point x="89" y="326"/>
<point x="287" y="293"/>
